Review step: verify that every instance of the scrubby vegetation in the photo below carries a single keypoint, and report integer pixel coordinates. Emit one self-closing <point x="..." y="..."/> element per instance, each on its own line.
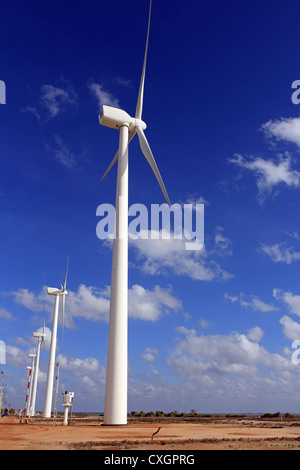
<point x="177" y="414"/>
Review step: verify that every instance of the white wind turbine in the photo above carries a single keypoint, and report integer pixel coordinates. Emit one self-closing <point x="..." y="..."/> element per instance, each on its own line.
<point x="51" y="363"/>
<point x="115" y="409"/>
<point x="40" y="341"/>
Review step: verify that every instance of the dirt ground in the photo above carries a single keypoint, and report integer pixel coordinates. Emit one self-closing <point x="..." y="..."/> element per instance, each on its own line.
<point x="88" y="434"/>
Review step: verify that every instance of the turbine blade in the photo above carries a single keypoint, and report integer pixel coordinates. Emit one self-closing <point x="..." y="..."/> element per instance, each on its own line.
<point x="65" y="283"/>
<point x="60" y="281"/>
<point x="130" y="137"/>
<point x="139" y="106"/>
<point x="111" y="165"/>
<point x="145" y="147"/>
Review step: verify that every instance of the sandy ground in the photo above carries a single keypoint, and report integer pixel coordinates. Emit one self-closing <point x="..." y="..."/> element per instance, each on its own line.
<point x="90" y="435"/>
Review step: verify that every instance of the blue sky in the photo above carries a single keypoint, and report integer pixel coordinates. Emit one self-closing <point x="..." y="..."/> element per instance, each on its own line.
<point x="209" y="330"/>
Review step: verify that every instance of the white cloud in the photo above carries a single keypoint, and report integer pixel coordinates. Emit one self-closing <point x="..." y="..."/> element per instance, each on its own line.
<point x="291" y="329"/>
<point x="103" y="96"/>
<point x="150" y="356"/>
<point x="215" y="355"/>
<point x="204" y="323"/>
<point x="160" y="256"/>
<point x="253" y="302"/>
<point x="6" y="315"/>
<point x="291" y="300"/>
<point x="255" y="334"/>
<point x="92" y="303"/>
<point x="55" y="99"/>
<point x="295" y="235"/>
<point x="151" y="305"/>
<point x="88" y="302"/>
<point x="62" y="153"/>
<point x="280" y="253"/>
<point x="87" y="377"/>
<point x="77" y="367"/>
<point x="287" y="129"/>
<point x="31" y="110"/>
<point x="15" y="357"/>
<point x="29" y="299"/>
<point x="269" y="173"/>
<point x="223" y="244"/>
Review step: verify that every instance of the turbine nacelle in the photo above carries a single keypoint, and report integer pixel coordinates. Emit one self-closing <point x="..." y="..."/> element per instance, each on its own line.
<point x="55" y="291"/>
<point x="116" y="118"/>
<point x="39" y="335"/>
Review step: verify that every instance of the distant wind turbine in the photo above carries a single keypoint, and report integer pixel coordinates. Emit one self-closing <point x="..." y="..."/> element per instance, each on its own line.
<point x="51" y="363"/>
<point x="40" y="341"/>
<point x="115" y="409"/>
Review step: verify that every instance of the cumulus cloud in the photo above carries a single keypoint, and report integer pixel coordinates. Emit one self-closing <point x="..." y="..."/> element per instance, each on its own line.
<point x="287" y="129"/>
<point x="291" y="328"/>
<point x="150" y="356"/>
<point x="159" y="255"/>
<point x="291" y="300"/>
<point x="28" y="299"/>
<point x="281" y="253"/>
<point x="88" y="302"/>
<point x="255" y="334"/>
<point x="87" y="376"/>
<point x="92" y="303"/>
<point x="150" y="305"/>
<point x="15" y="357"/>
<point x="213" y="355"/>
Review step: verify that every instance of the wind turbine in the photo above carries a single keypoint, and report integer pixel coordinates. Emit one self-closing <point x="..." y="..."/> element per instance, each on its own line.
<point x="29" y="386"/>
<point x="115" y="409"/>
<point x="40" y="341"/>
<point x="51" y="363"/>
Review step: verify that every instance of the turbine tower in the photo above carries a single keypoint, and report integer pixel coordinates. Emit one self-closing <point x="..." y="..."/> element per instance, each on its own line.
<point x="51" y="363"/>
<point x="115" y="409"/>
<point x="40" y="340"/>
